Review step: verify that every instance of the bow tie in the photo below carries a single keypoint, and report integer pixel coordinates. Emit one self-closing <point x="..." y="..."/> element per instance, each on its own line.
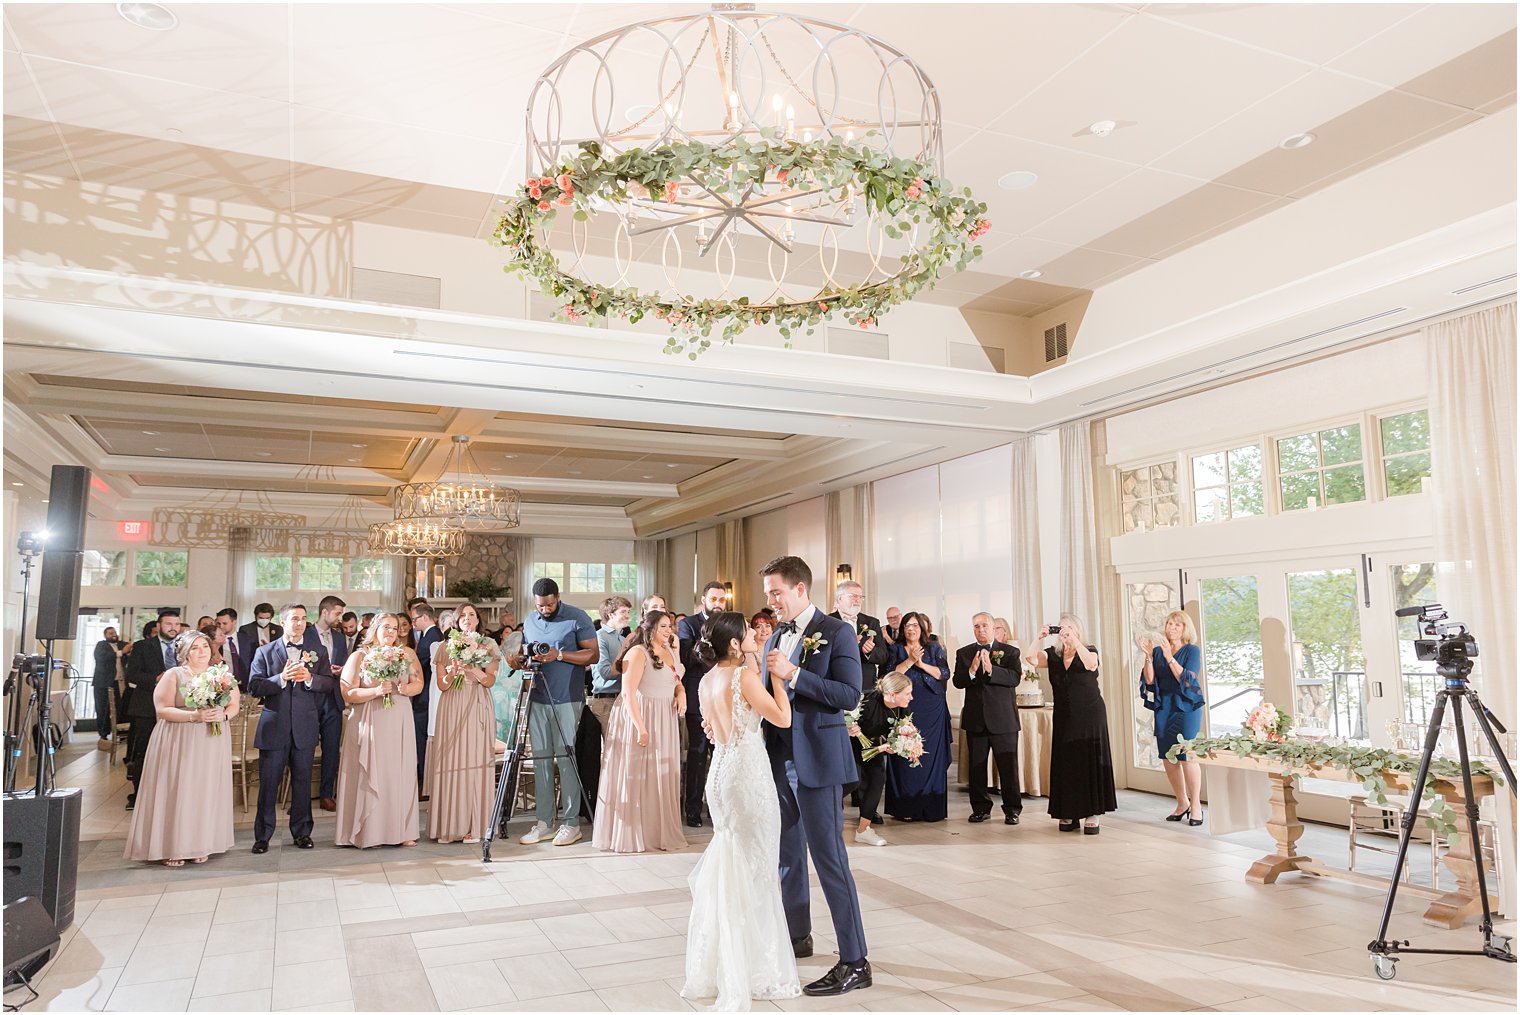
<point x="787" y="627"/>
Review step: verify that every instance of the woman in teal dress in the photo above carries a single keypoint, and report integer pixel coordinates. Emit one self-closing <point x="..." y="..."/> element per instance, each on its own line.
<point x="1172" y="687"/>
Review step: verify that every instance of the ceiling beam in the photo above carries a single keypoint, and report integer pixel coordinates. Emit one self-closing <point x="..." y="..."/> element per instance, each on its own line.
<point x="430" y="457"/>
<point x="615" y="438"/>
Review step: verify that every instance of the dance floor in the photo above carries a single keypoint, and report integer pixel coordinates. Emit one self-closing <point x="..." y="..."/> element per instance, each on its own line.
<point x="1147" y="916"/>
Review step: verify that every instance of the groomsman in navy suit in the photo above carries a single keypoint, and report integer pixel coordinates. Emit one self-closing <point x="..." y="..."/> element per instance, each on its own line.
<point x="328" y="633"/>
<point x="292" y="679"/>
<point x="689" y="632"/>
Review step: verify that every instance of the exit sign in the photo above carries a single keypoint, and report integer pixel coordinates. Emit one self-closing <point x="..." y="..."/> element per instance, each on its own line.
<point x="136" y="532"/>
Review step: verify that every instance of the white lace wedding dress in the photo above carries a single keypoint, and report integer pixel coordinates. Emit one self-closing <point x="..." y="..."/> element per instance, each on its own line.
<point x="738" y="948"/>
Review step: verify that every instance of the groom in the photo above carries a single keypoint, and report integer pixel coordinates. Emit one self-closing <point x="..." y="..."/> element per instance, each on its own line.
<point x="812" y="761"/>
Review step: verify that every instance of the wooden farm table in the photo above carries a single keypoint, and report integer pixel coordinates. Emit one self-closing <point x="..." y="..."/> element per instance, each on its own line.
<point x="1447" y="909"/>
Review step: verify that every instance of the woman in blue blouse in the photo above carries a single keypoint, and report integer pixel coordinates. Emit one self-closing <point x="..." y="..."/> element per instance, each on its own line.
<point x="1173" y="689"/>
<point x="922" y="793"/>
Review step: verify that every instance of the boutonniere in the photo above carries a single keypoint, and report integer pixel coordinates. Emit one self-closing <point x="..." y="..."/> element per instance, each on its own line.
<point x="812" y="643"/>
<point x="866" y="632"/>
<point x="308" y="659"/>
<point x="997" y="657"/>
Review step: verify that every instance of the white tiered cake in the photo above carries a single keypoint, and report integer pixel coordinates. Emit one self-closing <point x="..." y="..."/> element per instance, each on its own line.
<point x="1030" y="693"/>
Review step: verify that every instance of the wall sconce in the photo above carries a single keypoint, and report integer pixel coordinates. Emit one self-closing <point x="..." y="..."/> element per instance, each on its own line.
<point x="844" y="573"/>
<point x="728" y="592"/>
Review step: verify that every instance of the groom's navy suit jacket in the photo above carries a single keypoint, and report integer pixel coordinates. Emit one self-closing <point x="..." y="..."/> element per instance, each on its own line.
<point x="827" y="687"/>
<point x="290" y="712"/>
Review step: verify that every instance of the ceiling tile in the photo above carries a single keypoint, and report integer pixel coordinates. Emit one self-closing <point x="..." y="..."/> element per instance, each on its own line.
<point x="1021" y="253"/>
<point x="1083" y="267"/>
<point x="141" y="178"/>
<point x="130" y="104"/>
<point x="40" y="163"/>
<point x="1312" y="32"/>
<point x="1218" y="228"/>
<point x="1354" y="136"/>
<point x="1474" y="79"/>
<point x="1065" y="177"/>
<point x="403" y="153"/>
<point x="176" y="157"/>
<point x="1160" y="82"/>
<point x="1407" y="144"/>
<point x="1313" y="99"/>
<point x="24" y="134"/>
<point x="241" y="48"/>
<point x="388" y="193"/>
<point x="1426" y="40"/>
<point x="22" y="99"/>
<point x="1196" y="211"/>
<point x="1142" y="191"/>
<point x="127" y="437"/>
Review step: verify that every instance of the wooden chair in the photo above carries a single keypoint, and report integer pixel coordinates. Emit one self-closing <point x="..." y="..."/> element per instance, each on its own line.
<point x="245" y="757"/>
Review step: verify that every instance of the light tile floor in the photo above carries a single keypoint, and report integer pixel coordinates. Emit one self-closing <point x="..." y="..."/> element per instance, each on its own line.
<point x="1147" y="916"/>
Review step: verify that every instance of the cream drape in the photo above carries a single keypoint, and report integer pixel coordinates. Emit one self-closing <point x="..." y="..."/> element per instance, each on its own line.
<point x="647" y="557"/>
<point x="1026" y="616"/>
<point x="731" y="567"/>
<point x="240" y="570"/>
<point x="1471" y="364"/>
<point x="1079" y="554"/>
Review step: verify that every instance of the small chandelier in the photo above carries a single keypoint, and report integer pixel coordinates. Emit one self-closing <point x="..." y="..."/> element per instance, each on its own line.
<point x="462" y="498"/>
<point x="411" y="537"/>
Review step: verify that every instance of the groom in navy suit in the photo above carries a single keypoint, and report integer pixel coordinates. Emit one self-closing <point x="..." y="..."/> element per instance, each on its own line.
<point x="292" y="679"/>
<point x="812" y="761"/>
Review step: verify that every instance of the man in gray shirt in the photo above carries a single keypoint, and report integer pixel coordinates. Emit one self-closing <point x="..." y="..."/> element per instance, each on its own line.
<point x="606" y="685"/>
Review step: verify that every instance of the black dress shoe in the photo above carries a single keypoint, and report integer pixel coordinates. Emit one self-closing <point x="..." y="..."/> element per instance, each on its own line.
<point x="844" y="977"/>
<point x="304" y="842"/>
<point x="693" y="821"/>
<point x="262" y="846"/>
<point x="976" y="818"/>
<point x="131" y="800"/>
<point x="802" y="947"/>
<point x="1010" y="819"/>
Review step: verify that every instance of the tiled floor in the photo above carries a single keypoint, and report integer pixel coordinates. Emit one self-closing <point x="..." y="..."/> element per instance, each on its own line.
<point x="1147" y="916"/>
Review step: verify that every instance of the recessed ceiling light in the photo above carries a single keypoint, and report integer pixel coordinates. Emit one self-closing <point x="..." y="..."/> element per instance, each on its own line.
<point x="671" y="465"/>
<point x="150" y="433"/>
<point x="153" y="17"/>
<point x="18" y="484"/>
<point x="573" y="472"/>
<point x="1018" y="179"/>
<point x="1102" y="128"/>
<point x="264" y="454"/>
<point x="44" y="500"/>
<point x="511" y="456"/>
<point x="1032" y="273"/>
<point x="358" y="445"/>
<point x="1293" y="141"/>
<point x="161" y="449"/>
<point x="648" y="477"/>
<point x="353" y="459"/>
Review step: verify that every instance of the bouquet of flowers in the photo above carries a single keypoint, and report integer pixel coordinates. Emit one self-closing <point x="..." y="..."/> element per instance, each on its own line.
<point x="904" y="739"/>
<point x="211" y="688"/>
<point x="469" y="649"/>
<point x="1266" y="723"/>
<point x="382" y="663"/>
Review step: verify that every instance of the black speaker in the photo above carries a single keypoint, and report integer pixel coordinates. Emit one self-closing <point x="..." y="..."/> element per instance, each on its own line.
<point x="30" y="938"/>
<point x="63" y="559"/>
<point x="41" y="852"/>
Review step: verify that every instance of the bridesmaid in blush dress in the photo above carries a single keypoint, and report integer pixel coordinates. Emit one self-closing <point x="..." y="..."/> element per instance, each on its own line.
<point x="922" y="793"/>
<point x="184" y="803"/>
<point x="638" y="802"/>
<point x="462" y="761"/>
<point x="377" y="773"/>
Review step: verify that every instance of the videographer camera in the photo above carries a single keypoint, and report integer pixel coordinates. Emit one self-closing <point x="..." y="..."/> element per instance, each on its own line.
<point x="559" y="642"/>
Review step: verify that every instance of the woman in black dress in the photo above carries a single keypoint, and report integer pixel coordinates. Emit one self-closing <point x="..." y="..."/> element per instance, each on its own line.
<point x="1081" y="768"/>
<point x="879" y="706"/>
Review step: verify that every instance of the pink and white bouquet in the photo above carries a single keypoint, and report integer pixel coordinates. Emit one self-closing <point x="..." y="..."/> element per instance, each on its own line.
<point x="471" y="650"/>
<point x="1267" y="723"/>
<point x="904" y="739"/>
<point x="382" y="663"/>
<point x="211" y="688"/>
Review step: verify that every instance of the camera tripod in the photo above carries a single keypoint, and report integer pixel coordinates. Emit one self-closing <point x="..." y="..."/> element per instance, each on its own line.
<point x="511" y="766"/>
<point x="1495" y="946"/>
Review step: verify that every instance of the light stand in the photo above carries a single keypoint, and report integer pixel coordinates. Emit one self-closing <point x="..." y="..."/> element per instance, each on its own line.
<point x="1453" y="649"/>
<point x="29" y="545"/>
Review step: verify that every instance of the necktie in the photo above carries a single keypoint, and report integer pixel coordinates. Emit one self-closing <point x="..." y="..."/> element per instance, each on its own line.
<point x="787" y="627"/>
<point x="169" y="661"/>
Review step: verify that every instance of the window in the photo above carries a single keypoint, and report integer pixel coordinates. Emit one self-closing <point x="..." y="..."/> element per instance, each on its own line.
<point x="1325" y="466"/>
<point x="321" y="572"/>
<point x="588" y="578"/>
<point x="366" y="574"/>
<point x="555" y="571"/>
<point x="1227" y="484"/>
<point x="1232" y="659"/>
<point x="1415" y="585"/>
<point x="625" y="579"/>
<point x="161" y="569"/>
<point x="1406" y="451"/>
<point x="1329" y="670"/>
<point x="1149" y="497"/>
<point x="104" y="567"/>
<point x="273" y="573"/>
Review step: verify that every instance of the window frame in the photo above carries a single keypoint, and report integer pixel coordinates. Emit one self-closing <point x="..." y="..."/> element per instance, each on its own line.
<point x="1382" y="459"/>
<point x="1229" y="484"/>
<point x="133" y="564"/>
<point x="1315" y="429"/>
<point x="1151" y="498"/>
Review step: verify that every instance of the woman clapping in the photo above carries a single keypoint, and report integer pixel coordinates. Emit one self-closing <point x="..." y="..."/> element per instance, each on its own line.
<point x="377" y="775"/>
<point x="922" y="793"/>
<point x="461" y="762"/>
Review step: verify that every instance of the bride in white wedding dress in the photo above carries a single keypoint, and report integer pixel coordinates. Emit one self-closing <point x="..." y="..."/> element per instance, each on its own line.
<point x="738" y="948"/>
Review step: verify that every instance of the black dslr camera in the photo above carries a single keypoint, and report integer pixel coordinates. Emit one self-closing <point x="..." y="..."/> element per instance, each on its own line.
<point x="532" y="649"/>
<point x="1449" y="646"/>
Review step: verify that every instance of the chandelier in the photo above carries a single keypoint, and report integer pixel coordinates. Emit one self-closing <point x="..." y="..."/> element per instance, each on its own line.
<point x="411" y="537"/>
<point x="221" y="519"/>
<point x="732" y="168"/>
<point x="462" y="498"/>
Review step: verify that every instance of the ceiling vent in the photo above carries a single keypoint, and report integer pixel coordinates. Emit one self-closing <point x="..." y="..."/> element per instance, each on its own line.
<point x="396" y="288"/>
<point x="1055" y="343"/>
<point x="1493" y="281"/>
<point x="860" y="342"/>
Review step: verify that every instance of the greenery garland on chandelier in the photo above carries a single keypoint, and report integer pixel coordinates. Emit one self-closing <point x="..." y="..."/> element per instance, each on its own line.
<point x="1367" y="764"/>
<point x="905" y="192"/>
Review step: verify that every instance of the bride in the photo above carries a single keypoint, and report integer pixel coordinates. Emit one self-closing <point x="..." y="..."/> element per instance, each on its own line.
<point x="737" y="944"/>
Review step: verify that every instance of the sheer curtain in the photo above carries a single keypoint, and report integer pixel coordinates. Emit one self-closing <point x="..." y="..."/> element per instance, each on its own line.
<point x="731" y="562"/>
<point x="647" y="554"/>
<point x="1079" y="555"/>
<point x="522" y="591"/>
<point x="836" y="550"/>
<point x="1026" y="616"/>
<point x="1472" y="425"/>
<point x="240" y="571"/>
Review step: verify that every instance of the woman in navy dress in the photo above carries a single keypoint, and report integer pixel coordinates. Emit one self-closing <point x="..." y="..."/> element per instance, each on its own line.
<point x="1172" y="687"/>
<point x="922" y="793"/>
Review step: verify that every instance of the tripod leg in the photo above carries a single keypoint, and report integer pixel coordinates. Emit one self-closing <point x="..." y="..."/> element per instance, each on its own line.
<point x="1464" y="858"/>
<point x="1486" y="721"/>
<point x="1381" y="946"/>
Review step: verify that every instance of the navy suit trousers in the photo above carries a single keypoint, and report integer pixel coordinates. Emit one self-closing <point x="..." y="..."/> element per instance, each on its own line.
<point x="811" y="819"/>
<point x="272" y="765"/>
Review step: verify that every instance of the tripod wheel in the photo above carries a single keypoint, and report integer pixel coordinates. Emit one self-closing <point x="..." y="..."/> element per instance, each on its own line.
<point x="1504" y="944"/>
<point x="1385" y="967"/>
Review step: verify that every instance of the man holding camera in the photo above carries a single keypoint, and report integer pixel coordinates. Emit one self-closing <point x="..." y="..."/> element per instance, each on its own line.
<point x="107" y="661"/>
<point x="560" y="641"/>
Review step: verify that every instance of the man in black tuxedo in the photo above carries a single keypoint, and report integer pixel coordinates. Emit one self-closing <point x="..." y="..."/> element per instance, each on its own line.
<point x="689" y="631"/>
<point x="150" y="657"/>
<point x="292" y="679"/>
<point x="849" y="600"/>
<point x="258" y="632"/>
<point x="107" y="655"/>
<point x="428" y="635"/>
<point x="987" y="670"/>
<point x="328" y="632"/>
